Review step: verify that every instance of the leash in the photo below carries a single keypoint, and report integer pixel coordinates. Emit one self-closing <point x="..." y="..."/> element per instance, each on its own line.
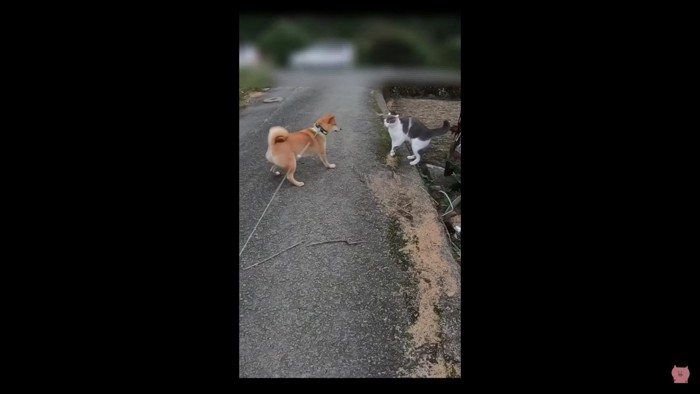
<point x="317" y="129"/>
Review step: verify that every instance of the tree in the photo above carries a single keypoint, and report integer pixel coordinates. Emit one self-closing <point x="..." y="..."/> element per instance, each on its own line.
<point x="283" y="38"/>
<point x="387" y="44"/>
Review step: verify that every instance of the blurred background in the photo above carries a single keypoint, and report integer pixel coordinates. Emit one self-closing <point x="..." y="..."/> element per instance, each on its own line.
<point x="321" y="42"/>
<point x="412" y="61"/>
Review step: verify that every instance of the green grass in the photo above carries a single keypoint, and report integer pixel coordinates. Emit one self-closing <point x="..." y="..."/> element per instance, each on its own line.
<point x="252" y="79"/>
<point x="384" y="145"/>
<point x="396" y="245"/>
<point x="437" y="310"/>
<point x="453" y="372"/>
<point x="409" y="286"/>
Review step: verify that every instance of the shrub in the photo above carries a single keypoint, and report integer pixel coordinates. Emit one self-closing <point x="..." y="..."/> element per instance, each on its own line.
<point x="394" y="46"/>
<point x="283" y="38"/>
<point x="250" y="79"/>
<point x="451" y="52"/>
<point x="254" y="78"/>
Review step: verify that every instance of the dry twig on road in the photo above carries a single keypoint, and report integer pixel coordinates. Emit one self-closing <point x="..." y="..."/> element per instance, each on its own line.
<point x="274" y="255"/>
<point x="337" y="240"/>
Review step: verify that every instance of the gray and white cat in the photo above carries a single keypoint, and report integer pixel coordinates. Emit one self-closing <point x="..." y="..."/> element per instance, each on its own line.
<point x="412" y="130"/>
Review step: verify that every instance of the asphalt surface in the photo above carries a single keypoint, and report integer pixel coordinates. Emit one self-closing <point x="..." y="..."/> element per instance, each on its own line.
<point x="330" y="310"/>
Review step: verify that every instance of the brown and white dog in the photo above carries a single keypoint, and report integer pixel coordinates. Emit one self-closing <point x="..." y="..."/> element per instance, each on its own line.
<point x="284" y="148"/>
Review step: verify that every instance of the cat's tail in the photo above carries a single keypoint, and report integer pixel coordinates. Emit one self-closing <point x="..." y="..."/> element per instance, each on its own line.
<point x="441" y="130"/>
<point x="277" y="134"/>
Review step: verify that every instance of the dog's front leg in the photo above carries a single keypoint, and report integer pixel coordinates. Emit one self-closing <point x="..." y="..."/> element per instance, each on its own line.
<point x="323" y="157"/>
<point x="324" y="160"/>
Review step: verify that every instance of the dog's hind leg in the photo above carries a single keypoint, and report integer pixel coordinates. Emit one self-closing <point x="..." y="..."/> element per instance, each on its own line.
<point x="274" y="170"/>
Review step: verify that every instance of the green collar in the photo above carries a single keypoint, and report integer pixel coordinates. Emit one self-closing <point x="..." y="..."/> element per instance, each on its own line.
<point x="318" y="129"/>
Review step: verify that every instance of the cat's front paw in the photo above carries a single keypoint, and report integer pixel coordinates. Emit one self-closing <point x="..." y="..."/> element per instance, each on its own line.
<point x="392" y="154"/>
<point x="411" y="157"/>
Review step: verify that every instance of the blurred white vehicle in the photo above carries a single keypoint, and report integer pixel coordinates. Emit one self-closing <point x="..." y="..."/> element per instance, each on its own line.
<point x="329" y="54"/>
<point x="248" y="56"/>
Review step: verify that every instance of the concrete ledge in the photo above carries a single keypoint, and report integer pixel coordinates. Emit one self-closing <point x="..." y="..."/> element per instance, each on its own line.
<point x="451" y="316"/>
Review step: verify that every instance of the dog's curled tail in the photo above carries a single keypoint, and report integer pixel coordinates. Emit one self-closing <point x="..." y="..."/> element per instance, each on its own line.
<point x="277" y="134"/>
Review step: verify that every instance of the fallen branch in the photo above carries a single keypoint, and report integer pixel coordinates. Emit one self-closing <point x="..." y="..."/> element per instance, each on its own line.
<point x="449" y="215"/>
<point x="405" y="214"/>
<point x="427" y="193"/>
<point x="337" y="240"/>
<point x="274" y="255"/>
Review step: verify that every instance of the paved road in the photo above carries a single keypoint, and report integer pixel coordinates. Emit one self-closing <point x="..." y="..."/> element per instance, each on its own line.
<point x="331" y="310"/>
